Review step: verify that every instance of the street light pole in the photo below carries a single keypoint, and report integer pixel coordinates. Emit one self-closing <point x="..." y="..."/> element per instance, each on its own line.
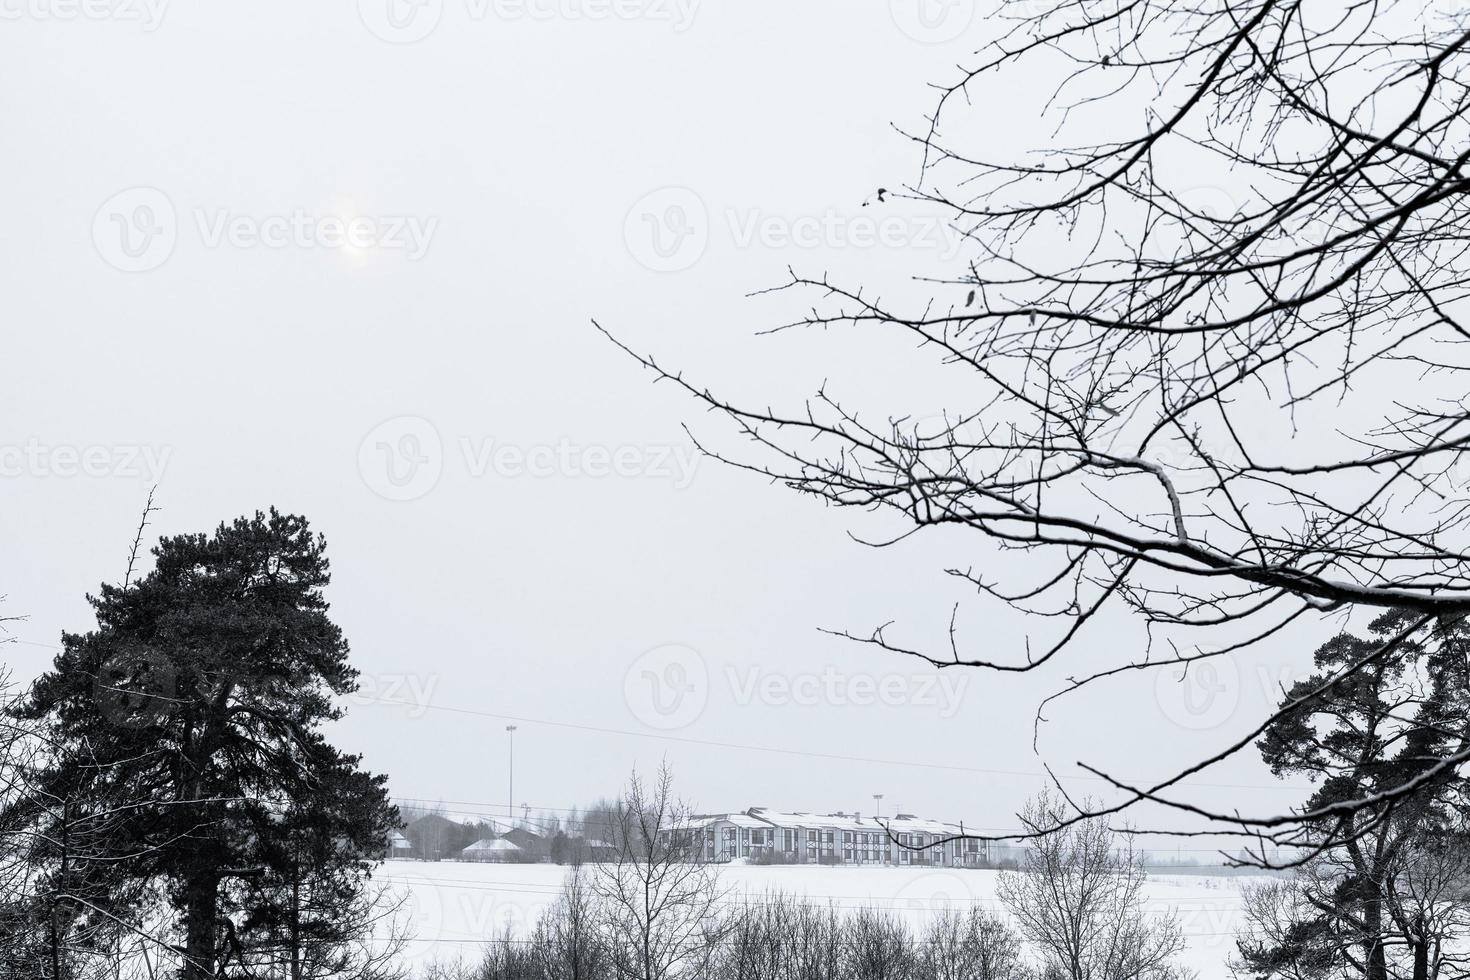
<point x="510" y="799"/>
<point x="878" y="819"/>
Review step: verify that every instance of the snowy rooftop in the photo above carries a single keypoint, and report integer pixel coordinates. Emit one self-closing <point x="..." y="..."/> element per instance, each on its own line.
<point x="763" y="817"/>
<point x="501" y="826"/>
<point x="703" y="820"/>
<point x="499" y="845"/>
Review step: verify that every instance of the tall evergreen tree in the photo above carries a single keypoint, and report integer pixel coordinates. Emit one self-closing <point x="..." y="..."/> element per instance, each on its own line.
<point x="1373" y="716"/>
<point x="191" y="718"/>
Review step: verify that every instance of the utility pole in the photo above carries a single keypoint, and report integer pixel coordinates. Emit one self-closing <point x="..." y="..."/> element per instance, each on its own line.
<point x="510" y="807"/>
<point x="877" y="818"/>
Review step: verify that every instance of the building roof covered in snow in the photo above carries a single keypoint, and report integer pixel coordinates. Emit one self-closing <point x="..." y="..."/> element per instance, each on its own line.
<point x="761" y="817"/>
<point x="702" y="820"/>
<point x="500" y="826"/>
<point x="497" y="846"/>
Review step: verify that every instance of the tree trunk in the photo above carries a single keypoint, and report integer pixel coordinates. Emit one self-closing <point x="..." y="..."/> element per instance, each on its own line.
<point x="62" y="884"/>
<point x="295" y="924"/>
<point x="1376" y="956"/>
<point x="1421" y="949"/>
<point x="201" y="910"/>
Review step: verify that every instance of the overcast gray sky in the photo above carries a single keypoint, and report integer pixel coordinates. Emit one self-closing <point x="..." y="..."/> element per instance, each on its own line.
<point x="342" y="259"/>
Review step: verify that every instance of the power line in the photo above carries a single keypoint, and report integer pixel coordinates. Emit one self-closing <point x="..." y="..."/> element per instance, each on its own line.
<point x="775" y="750"/>
<point x="746" y="747"/>
<point x="33" y="643"/>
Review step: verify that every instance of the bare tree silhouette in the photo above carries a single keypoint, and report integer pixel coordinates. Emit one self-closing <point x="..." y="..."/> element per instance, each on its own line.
<point x="1220" y="411"/>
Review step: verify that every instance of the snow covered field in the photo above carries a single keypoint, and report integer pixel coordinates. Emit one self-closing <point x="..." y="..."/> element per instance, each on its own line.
<point x="454" y="907"/>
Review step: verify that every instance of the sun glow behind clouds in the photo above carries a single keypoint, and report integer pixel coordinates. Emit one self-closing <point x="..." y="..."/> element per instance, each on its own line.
<point x="363" y="235"/>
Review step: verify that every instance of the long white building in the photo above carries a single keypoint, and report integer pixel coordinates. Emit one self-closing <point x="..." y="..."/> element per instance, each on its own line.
<point x="761" y="833"/>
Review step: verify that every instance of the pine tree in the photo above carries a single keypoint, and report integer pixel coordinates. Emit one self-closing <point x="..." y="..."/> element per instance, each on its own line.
<point x="1374" y="715"/>
<point x="190" y="718"/>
